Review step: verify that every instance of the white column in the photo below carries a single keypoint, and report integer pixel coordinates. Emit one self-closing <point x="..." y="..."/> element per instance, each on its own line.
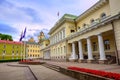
<point x="73" y="51"/>
<point x="101" y="47"/>
<point x="90" y="56"/>
<point x="80" y="50"/>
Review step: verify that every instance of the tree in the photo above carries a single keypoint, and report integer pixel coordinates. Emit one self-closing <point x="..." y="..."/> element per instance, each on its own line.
<point x="6" y="37"/>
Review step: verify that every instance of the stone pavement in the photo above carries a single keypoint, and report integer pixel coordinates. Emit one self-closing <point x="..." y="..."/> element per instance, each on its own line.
<point x="22" y="73"/>
<point x="43" y="73"/>
<point x="105" y="67"/>
<point x="13" y="73"/>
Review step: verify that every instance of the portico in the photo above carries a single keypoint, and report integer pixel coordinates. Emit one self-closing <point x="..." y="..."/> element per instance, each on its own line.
<point x="96" y="48"/>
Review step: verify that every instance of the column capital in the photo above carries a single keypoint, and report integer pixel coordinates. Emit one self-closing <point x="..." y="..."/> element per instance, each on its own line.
<point x="99" y="34"/>
<point x="88" y="37"/>
<point x="79" y="40"/>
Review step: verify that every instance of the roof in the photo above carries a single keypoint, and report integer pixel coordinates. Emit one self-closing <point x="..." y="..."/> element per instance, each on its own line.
<point x="69" y="16"/>
<point x="10" y="42"/>
<point x="66" y="17"/>
<point x="32" y="43"/>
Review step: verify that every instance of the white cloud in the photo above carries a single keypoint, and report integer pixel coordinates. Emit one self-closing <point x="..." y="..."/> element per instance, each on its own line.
<point x="39" y="14"/>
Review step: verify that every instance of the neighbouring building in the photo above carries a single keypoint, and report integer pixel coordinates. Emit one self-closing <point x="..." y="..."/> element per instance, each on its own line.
<point x="93" y="36"/>
<point x="44" y="45"/>
<point x="10" y="50"/>
<point x="32" y="49"/>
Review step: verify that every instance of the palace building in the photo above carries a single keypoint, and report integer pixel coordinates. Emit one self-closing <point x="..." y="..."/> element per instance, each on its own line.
<point x="44" y="46"/>
<point x="10" y="50"/>
<point x="32" y="49"/>
<point x="93" y="36"/>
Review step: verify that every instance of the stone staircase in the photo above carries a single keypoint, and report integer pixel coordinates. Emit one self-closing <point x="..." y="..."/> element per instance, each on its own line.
<point x="51" y="66"/>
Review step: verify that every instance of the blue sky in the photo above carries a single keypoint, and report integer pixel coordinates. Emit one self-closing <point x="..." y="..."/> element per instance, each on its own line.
<point x="36" y="15"/>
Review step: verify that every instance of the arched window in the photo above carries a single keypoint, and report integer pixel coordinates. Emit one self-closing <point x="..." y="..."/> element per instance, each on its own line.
<point x="84" y="25"/>
<point x="78" y="27"/>
<point x="103" y="15"/>
<point x="92" y="20"/>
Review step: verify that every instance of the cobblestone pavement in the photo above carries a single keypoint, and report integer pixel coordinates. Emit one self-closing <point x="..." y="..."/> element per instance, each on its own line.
<point x="109" y="68"/>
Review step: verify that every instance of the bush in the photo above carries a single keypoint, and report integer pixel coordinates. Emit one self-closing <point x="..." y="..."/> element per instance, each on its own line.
<point x="14" y="60"/>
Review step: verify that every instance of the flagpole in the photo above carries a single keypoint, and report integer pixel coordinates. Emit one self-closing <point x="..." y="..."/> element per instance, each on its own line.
<point x="21" y="51"/>
<point x="24" y="49"/>
<point x="23" y="37"/>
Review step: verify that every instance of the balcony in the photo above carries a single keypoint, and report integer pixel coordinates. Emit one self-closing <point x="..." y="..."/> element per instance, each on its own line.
<point x="97" y="23"/>
<point x="94" y="24"/>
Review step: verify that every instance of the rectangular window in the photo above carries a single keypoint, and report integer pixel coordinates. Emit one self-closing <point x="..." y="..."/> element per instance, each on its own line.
<point x="61" y="50"/>
<point x="63" y="33"/>
<point x="107" y="44"/>
<point x="4" y="51"/>
<point x="72" y="31"/>
<point x="64" y="49"/>
<point x="4" y="46"/>
<point x="13" y="46"/>
<point x="94" y="46"/>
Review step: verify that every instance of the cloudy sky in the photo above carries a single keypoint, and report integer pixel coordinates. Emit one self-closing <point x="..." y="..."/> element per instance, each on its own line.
<point x="36" y="15"/>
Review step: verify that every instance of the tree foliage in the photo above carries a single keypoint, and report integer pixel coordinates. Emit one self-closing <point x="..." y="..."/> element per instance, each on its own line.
<point x="6" y="37"/>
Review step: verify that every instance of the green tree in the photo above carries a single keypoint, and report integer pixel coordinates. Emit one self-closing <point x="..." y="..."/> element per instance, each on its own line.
<point x="6" y="37"/>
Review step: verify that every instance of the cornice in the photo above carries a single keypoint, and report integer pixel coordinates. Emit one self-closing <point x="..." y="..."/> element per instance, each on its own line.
<point x="92" y="9"/>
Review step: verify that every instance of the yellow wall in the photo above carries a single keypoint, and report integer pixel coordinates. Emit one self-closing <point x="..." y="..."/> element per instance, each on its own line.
<point x="115" y="6"/>
<point x="58" y="47"/>
<point x="117" y="35"/>
<point x="92" y="33"/>
<point x="94" y="15"/>
<point x="65" y="26"/>
<point x="69" y="26"/>
<point x="35" y="48"/>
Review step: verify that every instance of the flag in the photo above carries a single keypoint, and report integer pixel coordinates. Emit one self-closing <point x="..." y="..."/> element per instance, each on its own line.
<point x="22" y="35"/>
<point x="58" y="14"/>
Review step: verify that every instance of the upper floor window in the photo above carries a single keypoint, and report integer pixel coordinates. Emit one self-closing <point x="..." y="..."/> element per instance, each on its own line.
<point x="92" y="20"/>
<point x="13" y="46"/>
<point x="4" y="51"/>
<point x="72" y="31"/>
<point x="64" y="49"/>
<point x="78" y="27"/>
<point x="107" y="44"/>
<point x="86" y="48"/>
<point x="103" y="15"/>
<point x="63" y="33"/>
<point x="94" y="46"/>
<point x="4" y="46"/>
<point x="84" y="25"/>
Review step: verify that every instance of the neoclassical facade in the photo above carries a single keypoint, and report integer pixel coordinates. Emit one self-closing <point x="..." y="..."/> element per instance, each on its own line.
<point x="32" y="49"/>
<point x="44" y="46"/>
<point x="93" y="36"/>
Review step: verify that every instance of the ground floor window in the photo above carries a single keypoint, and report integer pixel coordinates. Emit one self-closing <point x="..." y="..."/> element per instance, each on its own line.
<point x="86" y="48"/>
<point x="107" y="44"/>
<point x="94" y="46"/>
